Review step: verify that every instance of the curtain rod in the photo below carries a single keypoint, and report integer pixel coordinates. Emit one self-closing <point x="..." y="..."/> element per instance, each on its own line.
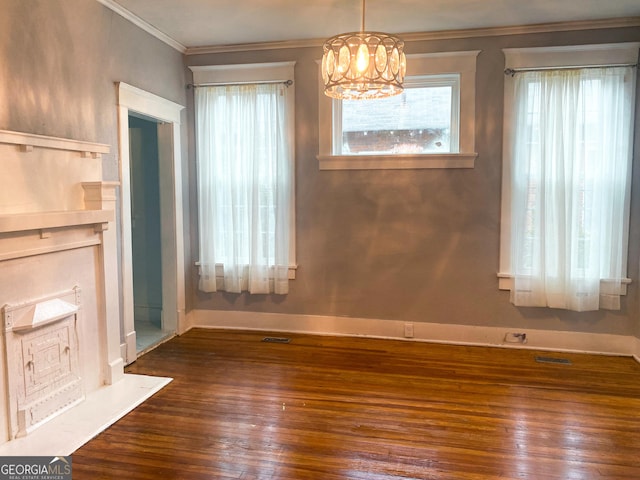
<point x="513" y="71"/>
<point x="288" y="83"/>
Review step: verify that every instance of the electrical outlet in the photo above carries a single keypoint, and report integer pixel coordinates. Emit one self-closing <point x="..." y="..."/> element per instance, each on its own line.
<point x="408" y="330"/>
<point x="515" y="337"/>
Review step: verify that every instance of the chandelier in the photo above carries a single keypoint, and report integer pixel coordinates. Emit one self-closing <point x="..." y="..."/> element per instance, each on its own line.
<point x="362" y="65"/>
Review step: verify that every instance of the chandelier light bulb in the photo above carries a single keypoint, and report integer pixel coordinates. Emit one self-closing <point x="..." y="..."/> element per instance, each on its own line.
<point x="362" y="59"/>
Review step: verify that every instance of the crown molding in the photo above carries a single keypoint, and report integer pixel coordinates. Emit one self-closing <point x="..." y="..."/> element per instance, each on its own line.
<point x="139" y="22"/>
<point x="244" y="47"/>
<point x="524" y="29"/>
<point x="425" y="36"/>
<point x="407" y="37"/>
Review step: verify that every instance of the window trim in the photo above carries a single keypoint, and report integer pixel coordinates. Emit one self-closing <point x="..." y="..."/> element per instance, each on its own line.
<point x="547" y="57"/>
<point x="256" y="73"/>
<point x="462" y="63"/>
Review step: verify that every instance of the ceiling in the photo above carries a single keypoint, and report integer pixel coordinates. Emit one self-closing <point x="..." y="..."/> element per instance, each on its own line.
<point x="200" y="23"/>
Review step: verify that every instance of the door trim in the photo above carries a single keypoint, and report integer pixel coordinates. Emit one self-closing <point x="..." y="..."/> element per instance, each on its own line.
<point x="135" y="100"/>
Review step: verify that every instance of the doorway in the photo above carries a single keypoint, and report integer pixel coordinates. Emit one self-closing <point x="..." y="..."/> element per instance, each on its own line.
<point x="146" y="243"/>
<point x="165" y="116"/>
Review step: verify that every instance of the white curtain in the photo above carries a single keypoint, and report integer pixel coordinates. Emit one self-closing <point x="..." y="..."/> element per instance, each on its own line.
<point x="244" y="188"/>
<point x="571" y="169"/>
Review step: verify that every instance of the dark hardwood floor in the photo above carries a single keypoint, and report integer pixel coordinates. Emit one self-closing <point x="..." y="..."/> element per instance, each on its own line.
<point x="353" y="408"/>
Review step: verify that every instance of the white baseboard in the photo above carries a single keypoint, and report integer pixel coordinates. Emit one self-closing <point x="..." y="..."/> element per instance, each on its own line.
<point x="636" y="349"/>
<point x="128" y="350"/>
<point x="597" y="343"/>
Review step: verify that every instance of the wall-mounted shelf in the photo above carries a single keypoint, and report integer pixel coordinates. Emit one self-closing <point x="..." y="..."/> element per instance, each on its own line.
<point x="27" y="142"/>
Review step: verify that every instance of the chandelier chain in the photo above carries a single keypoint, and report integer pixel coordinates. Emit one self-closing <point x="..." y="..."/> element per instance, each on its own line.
<point x="362" y="24"/>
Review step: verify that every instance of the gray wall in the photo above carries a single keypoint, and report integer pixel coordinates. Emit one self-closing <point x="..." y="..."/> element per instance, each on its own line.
<point x="59" y="61"/>
<point x="404" y="245"/>
<point x="59" y="64"/>
<point x="412" y="245"/>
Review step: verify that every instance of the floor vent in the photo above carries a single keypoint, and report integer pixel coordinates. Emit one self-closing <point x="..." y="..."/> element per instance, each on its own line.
<point x="561" y="361"/>
<point x="276" y="340"/>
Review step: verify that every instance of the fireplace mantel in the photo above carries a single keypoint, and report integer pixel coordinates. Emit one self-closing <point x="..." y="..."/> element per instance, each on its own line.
<point x="26" y="234"/>
<point x="57" y="233"/>
<point x="20" y="222"/>
<point x="27" y="142"/>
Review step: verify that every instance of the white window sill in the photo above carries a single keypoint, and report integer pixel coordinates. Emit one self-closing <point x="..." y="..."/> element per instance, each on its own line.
<point x="396" y="162"/>
<point x="505" y="282"/>
<point x="219" y="270"/>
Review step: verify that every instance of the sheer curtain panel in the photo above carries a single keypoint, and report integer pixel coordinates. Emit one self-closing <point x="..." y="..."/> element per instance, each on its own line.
<point x="570" y="186"/>
<point x="244" y="188"/>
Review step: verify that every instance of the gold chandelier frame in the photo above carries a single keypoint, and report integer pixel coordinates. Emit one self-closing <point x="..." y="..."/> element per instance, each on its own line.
<point x="363" y="65"/>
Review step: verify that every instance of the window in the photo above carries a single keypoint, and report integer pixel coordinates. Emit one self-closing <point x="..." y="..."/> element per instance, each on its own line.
<point x="567" y="175"/>
<point x="421" y="120"/>
<point x="430" y="125"/>
<point x="244" y="147"/>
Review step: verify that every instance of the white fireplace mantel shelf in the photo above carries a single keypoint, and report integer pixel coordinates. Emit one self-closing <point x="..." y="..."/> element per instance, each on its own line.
<point x="27" y="141"/>
<point x="19" y="222"/>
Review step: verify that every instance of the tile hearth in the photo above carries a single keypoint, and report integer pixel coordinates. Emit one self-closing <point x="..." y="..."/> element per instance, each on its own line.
<point x="70" y="430"/>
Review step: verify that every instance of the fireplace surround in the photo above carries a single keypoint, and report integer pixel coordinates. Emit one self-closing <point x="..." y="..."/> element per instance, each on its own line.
<point x="58" y="279"/>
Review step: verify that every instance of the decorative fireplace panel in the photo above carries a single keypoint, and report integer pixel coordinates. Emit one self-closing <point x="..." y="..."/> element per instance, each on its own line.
<point x="42" y="359"/>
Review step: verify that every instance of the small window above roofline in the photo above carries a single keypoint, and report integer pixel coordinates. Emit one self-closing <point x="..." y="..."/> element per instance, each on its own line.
<point x="462" y="63"/>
